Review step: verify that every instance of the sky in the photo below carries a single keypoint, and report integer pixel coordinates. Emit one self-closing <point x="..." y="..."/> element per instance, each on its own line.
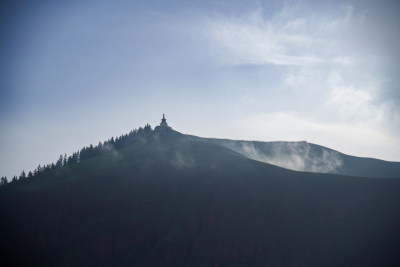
<point x="73" y="73"/>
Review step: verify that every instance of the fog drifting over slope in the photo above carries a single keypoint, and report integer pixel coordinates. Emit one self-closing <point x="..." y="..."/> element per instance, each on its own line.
<point x="298" y="156"/>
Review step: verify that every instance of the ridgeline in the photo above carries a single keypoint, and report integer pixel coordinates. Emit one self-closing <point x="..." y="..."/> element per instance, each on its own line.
<point x="161" y="198"/>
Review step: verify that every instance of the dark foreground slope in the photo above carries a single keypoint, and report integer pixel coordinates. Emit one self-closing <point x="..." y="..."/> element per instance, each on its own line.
<point x="179" y="202"/>
<point x="303" y="156"/>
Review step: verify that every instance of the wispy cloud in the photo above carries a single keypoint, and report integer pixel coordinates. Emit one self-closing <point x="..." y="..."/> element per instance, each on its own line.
<point x="287" y="38"/>
<point x="353" y="139"/>
<point x="349" y="100"/>
<point x="298" y="156"/>
<point x="179" y="161"/>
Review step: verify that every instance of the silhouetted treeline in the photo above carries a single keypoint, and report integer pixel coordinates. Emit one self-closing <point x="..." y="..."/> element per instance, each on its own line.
<point x="87" y="152"/>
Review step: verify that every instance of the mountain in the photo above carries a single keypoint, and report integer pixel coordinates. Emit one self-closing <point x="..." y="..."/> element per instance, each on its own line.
<point x="168" y="199"/>
<point x="303" y="156"/>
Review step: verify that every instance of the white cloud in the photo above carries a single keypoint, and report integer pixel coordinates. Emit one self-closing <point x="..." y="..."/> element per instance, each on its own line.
<point x="295" y="25"/>
<point x="287" y="38"/>
<point x="334" y="96"/>
<point x="353" y="139"/>
<point x="304" y="77"/>
<point x="353" y="102"/>
<point x="339" y="22"/>
<point x="343" y="60"/>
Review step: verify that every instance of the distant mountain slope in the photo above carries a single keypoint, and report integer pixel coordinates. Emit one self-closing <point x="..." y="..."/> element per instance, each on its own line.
<point x="171" y="200"/>
<point x="303" y="156"/>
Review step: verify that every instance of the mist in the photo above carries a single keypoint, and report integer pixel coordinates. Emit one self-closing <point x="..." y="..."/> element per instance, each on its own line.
<point x="298" y="156"/>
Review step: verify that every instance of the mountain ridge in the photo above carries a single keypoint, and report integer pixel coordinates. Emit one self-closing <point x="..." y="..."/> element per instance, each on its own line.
<point x="298" y="156"/>
<point x="170" y="200"/>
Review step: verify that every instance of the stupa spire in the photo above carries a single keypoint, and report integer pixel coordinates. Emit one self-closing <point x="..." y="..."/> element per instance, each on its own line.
<point x="163" y="121"/>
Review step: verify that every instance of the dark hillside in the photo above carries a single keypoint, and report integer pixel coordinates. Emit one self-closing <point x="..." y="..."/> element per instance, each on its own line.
<point x="170" y="200"/>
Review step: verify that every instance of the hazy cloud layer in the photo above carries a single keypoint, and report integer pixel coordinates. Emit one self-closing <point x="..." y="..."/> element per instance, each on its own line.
<point x="298" y="156"/>
<point x="288" y="37"/>
<point x="180" y="161"/>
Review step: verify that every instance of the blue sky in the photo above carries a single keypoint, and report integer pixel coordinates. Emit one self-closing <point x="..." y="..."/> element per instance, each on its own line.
<point x="77" y="72"/>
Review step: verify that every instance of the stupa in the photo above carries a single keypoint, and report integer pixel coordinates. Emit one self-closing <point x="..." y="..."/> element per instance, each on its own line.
<point x="163" y="121"/>
<point x="163" y="125"/>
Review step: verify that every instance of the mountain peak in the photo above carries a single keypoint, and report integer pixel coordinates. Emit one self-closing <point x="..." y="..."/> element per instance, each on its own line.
<point x="163" y="130"/>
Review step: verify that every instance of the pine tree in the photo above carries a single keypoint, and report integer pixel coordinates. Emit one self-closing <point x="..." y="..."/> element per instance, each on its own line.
<point x="59" y="162"/>
<point x="65" y="159"/>
<point x="47" y="168"/>
<point x="23" y="175"/>
<point x="4" y="180"/>
<point x="147" y="128"/>
<point x="69" y="160"/>
<point x="100" y="147"/>
<point x="39" y="169"/>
